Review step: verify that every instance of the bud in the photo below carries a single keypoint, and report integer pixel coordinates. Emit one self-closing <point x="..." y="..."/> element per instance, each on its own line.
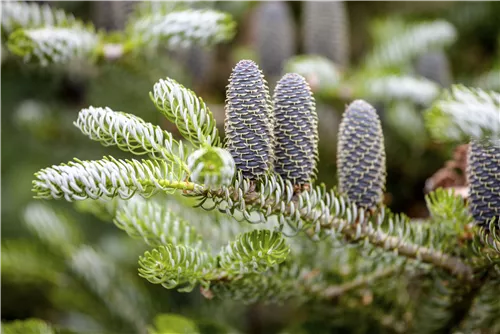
<point x="249" y="120"/>
<point x="361" y="155"/>
<point x="483" y="172"/>
<point x="296" y="130"/>
<point x="211" y="166"/>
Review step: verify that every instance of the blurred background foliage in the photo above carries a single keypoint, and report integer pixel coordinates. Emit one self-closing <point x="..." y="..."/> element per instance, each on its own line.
<point x="335" y="46"/>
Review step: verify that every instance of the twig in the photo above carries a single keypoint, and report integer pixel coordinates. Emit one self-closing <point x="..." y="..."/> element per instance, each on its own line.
<point x="335" y="291"/>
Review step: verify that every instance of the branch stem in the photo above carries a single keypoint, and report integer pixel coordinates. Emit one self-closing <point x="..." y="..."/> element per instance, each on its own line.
<point x="335" y="291"/>
<point x="355" y="232"/>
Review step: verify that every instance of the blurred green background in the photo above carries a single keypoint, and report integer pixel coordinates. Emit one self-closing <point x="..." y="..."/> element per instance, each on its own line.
<point x="40" y="104"/>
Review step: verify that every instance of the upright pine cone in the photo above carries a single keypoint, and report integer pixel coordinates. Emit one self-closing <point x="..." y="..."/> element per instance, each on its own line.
<point x="296" y="130"/>
<point x="326" y="30"/>
<point x="435" y="66"/>
<point x="483" y="172"/>
<point x="361" y="155"/>
<point x="249" y="120"/>
<point x="274" y="35"/>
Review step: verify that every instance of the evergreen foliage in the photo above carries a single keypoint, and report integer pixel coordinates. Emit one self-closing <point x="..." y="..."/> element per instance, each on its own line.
<point x="243" y="219"/>
<point x="462" y="113"/>
<point x="411" y="42"/>
<point x="44" y="35"/>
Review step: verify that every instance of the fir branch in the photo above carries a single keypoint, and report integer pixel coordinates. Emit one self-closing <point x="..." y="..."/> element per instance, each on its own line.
<point x="462" y="113"/>
<point x="418" y="90"/>
<point x="320" y="211"/>
<point x="277" y="285"/>
<point x="254" y="251"/>
<point x="489" y="80"/>
<point x="485" y="309"/>
<point x="321" y="73"/>
<point x="187" y="111"/>
<point x="183" y="28"/>
<point x="335" y="291"/>
<point x="118" y="291"/>
<point x="103" y="209"/>
<point x="174" y="266"/>
<point x="151" y="7"/>
<point x="30" y="325"/>
<point x="413" y="41"/>
<point x="54" y="45"/>
<point x="30" y="15"/>
<point x="107" y="178"/>
<point x="130" y="133"/>
<point x="155" y="224"/>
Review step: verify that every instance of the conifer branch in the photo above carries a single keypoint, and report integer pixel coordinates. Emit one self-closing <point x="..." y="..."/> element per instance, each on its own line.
<point x="254" y="251"/>
<point x="174" y="266"/>
<point x="412" y="42"/>
<point x="30" y="15"/>
<point x="335" y="291"/>
<point x="155" y="224"/>
<point x="148" y="8"/>
<point x="107" y="178"/>
<point x="463" y="113"/>
<point x="418" y="90"/>
<point x="187" y="111"/>
<point x="49" y="45"/>
<point x="327" y="212"/>
<point x="180" y="29"/>
<point x="130" y="133"/>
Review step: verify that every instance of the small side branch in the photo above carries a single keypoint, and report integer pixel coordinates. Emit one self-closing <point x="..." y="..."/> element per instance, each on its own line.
<point x="453" y="265"/>
<point x="335" y="291"/>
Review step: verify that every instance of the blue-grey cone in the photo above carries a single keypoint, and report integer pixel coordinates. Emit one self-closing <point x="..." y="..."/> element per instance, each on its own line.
<point x="361" y="155"/>
<point x="249" y="120"/>
<point x="483" y="172"/>
<point x="296" y="130"/>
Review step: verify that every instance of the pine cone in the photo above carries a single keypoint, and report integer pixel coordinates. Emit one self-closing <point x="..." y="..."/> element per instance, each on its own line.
<point x="249" y="120"/>
<point x="326" y="30"/>
<point x="484" y="177"/>
<point x="361" y="155"/>
<point x="296" y="130"/>
<point x="274" y="36"/>
<point x="435" y="67"/>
